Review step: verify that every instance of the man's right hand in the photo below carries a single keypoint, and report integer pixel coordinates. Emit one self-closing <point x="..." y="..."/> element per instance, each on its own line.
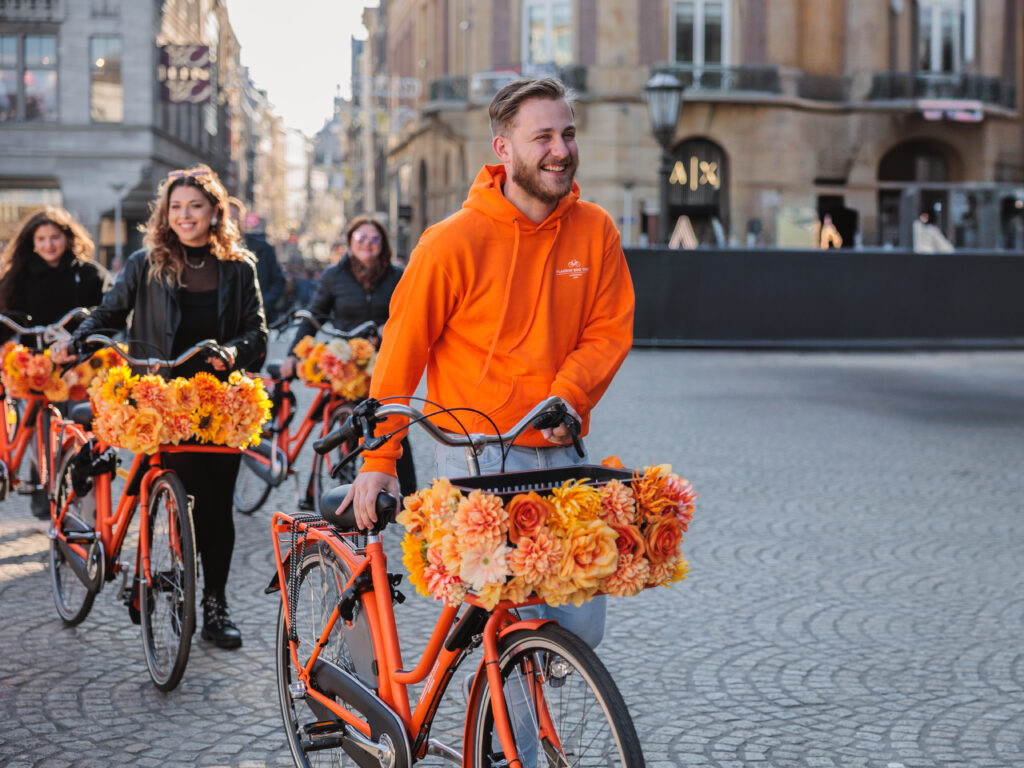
<point x="363" y="496"/>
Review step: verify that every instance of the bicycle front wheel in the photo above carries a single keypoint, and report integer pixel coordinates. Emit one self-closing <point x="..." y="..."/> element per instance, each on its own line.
<point x="312" y="730"/>
<point x="251" y="490"/>
<point x="564" y="708"/>
<point x="75" y="580"/>
<point x="167" y="593"/>
<point x="324" y="465"/>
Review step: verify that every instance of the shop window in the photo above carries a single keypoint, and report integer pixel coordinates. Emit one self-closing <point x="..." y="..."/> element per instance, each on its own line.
<point x="18" y="202"/>
<point x="28" y="77"/>
<point x="700" y="32"/>
<point x="106" y="94"/>
<point x="547" y="34"/>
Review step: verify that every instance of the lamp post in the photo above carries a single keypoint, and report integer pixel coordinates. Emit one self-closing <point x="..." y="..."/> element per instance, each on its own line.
<point x="118" y="188"/>
<point x="664" y="94"/>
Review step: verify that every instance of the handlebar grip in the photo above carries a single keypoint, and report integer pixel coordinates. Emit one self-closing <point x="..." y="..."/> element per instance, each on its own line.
<point x="332" y="440"/>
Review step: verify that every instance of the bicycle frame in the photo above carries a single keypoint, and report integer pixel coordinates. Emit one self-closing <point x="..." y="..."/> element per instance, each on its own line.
<point x="437" y="663"/>
<point x="12" y="450"/>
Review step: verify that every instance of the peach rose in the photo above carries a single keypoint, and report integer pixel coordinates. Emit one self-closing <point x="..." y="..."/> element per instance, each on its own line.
<point x="527" y="513"/>
<point x="144" y="431"/>
<point x="663" y="539"/>
<point x="590" y="554"/>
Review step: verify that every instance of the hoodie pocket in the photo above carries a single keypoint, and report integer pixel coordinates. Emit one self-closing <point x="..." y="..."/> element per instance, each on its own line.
<point x="508" y="400"/>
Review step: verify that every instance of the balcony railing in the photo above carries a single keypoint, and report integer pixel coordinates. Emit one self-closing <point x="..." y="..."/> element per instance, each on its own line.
<point x="891" y="86"/>
<point x="749" y="78"/>
<point x="449" y="88"/>
<point x="31" y="10"/>
<point x="823" y="87"/>
<point x="481" y="86"/>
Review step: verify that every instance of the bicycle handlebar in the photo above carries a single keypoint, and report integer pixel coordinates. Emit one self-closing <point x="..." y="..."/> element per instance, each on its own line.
<point x="548" y="413"/>
<point x="369" y="327"/>
<point x="49" y="333"/>
<point x="98" y="340"/>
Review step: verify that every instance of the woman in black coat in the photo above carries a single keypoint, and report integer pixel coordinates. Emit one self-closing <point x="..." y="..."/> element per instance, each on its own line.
<point x="356" y="289"/>
<point x="194" y="281"/>
<point x="46" y="270"/>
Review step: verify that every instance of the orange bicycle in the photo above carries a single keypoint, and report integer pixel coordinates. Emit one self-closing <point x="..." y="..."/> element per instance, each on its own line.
<point x="540" y="695"/>
<point x="87" y="534"/>
<point x="29" y="425"/>
<point x="267" y="465"/>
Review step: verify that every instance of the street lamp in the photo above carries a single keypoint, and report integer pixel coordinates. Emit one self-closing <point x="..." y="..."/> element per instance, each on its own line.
<point x="118" y="189"/>
<point x="664" y="94"/>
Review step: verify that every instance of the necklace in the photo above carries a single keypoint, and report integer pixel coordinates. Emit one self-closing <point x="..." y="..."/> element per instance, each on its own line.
<point x="190" y="265"/>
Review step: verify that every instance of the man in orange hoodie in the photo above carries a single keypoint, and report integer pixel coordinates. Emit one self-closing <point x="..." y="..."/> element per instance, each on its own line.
<point x="522" y="294"/>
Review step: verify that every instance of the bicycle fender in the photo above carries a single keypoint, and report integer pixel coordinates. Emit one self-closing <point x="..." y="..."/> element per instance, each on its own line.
<point x="523" y="624"/>
<point x="275" y="583"/>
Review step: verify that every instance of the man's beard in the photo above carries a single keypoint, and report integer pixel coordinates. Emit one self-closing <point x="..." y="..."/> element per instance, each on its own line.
<point x="530" y="181"/>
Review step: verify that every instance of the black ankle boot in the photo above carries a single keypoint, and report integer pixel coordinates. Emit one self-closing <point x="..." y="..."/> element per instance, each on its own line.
<point x="217" y="625"/>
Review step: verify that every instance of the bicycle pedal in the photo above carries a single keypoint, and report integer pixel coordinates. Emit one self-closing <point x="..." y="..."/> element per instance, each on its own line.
<point x="26" y="489"/>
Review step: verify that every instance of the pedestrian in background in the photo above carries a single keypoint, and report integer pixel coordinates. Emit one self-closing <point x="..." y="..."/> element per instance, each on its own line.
<point x="521" y="295"/>
<point x="268" y="269"/>
<point x="46" y="270"/>
<point x="194" y="280"/>
<point x="356" y="289"/>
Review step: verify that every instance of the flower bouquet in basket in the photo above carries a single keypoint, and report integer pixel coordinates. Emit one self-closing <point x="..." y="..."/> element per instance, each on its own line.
<point x="345" y="365"/>
<point x="141" y="413"/>
<point x="602" y="530"/>
<point x="25" y="372"/>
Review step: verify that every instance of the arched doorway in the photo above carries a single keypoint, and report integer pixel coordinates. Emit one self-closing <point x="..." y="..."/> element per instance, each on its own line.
<point x="699" y="190"/>
<point x="914" y="165"/>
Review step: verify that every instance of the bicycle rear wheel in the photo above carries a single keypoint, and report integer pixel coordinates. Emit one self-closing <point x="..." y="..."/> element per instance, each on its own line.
<point x="313" y="731"/>
<point x="72" y="594"/>
<point x="324" y="465"/>
<point x="167" y="600"/>
<point x="251" y="490"/>
<point x="563" y="706"/>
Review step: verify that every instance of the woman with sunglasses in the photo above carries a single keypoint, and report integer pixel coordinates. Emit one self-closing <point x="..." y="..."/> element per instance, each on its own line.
<point x="356" y="289"/>
<point x="194" y="280"/>
<point x="46" y="270"/>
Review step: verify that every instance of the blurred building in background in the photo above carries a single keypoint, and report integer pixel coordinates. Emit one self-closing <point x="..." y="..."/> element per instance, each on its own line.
<point x="99" y="99"/>
<point x="872" y="113"/>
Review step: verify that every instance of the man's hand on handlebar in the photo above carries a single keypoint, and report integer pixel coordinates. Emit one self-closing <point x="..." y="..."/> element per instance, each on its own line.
<point x="363" y="496"/>
<point x="220" y="364"/>
<point x="560" y="434"/>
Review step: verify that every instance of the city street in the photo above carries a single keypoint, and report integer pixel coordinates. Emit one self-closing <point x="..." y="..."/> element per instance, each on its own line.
<point x="856" y="595"/>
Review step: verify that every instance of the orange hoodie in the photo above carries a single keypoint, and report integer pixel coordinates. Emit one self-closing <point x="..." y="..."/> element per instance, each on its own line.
<point x="503" y="312"/>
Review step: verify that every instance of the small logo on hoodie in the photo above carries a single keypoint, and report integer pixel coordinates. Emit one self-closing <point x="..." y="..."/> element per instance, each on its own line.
<point x="572" y="269"/>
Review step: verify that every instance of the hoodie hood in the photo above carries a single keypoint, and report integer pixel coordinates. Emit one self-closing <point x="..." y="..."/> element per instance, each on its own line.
<point x="486" y="196"/>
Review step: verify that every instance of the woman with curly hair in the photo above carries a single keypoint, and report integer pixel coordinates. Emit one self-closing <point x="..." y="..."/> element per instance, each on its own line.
<point x="194" y="280"/>
<point x="47" y="270"/>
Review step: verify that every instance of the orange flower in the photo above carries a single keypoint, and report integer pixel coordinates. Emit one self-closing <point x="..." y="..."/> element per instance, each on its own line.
<point x="414" y="513"/>
<point x="150" y="391"/>
<point x="56" y="390"/>
<point x="535" y="557"/>
<point x="304" y="347"/>
<point x="612" y="462"/>
<point x="590" y="554"/>
<point x="669" y="571"/>
<point x="480" y="521"/>
<point x="182" y="395"/>
<point x="527" y="512"/>
<point x="574" y="500"/>
<point x="144" y="431"/>
<point x="516" y="590"/>
<point x="362" y="351"/>
<point x="630" y="541"/>
<point x="629" y="578"/>
<point x="664" y="538"/>
<point x="617" y="503"/>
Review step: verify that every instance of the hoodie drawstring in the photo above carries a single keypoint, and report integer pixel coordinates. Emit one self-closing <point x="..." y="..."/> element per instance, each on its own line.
<point x="504" y="302"/>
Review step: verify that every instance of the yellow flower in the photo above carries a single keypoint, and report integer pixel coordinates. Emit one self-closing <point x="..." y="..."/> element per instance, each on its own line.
<point x="415" y="559"/>
<point x="574" y="501"/>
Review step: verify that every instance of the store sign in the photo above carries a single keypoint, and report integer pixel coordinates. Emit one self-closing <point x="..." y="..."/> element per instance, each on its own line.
<point x="184" y="74"/>
<point x="698" y="174"/>
<point x="953" y="110"/>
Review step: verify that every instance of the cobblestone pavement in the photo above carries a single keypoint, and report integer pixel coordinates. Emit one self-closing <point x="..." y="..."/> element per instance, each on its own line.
<point x="856" y="596"/>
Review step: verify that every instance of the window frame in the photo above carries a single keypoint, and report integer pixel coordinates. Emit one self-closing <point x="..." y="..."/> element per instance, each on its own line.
<point x="529" y="66"/>
<point x="963" y="13"/>
<point x="699" y="14"/>
<point x="21" y="33"/>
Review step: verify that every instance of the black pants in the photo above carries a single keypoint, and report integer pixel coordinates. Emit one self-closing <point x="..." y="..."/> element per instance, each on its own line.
<point x="210" y="479"/>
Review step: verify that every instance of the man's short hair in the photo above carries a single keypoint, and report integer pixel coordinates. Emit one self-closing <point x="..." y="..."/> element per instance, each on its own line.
<point x="507" y="101"/>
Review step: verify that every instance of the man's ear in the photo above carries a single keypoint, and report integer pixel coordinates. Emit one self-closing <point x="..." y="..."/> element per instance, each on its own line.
<point x="501" y="148"/>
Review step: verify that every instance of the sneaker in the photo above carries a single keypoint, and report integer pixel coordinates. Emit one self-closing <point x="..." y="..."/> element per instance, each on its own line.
<point x="39" y="503"/>
<point x="217" y="625"/>
<point x="307" y="505"/>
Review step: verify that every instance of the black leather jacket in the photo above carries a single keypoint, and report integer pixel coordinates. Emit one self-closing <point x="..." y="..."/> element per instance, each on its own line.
<point x="340" y="298"/>
<point x="156" y="313"/>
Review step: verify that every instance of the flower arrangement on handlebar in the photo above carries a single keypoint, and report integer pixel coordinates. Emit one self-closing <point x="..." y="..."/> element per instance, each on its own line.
<point x="346" y="365"/>
<point x="141" y="413"/>
<point x="566" y="546"/>
<point x="25" y="372"/>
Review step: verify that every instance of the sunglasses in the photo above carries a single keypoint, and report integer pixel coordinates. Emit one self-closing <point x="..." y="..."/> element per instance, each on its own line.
<point x="193" y="173"/>
<point x="364" y="239"/>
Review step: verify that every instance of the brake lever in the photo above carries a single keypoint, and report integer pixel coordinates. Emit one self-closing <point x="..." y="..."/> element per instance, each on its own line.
<point x="559" y="414"/>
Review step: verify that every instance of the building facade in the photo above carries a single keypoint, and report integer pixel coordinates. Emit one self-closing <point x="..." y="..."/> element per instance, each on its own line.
<point x="872" y="113"/>
<point x="99" y="99"/>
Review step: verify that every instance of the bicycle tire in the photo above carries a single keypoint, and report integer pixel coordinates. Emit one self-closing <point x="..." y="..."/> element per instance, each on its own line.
<point x="589" y="715"/>
<point x="324" y="465"/>
<point x="251" y="490"/>
<point x="322" y="579"/>
<point x="167" y="606"/>
<point x="72" y="596"/>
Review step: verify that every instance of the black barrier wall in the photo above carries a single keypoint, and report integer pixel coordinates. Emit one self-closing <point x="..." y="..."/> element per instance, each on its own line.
<point x="768" y="297"/>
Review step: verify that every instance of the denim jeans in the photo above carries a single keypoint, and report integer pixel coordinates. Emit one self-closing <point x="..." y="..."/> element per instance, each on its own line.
<point x="587" y="621"/>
